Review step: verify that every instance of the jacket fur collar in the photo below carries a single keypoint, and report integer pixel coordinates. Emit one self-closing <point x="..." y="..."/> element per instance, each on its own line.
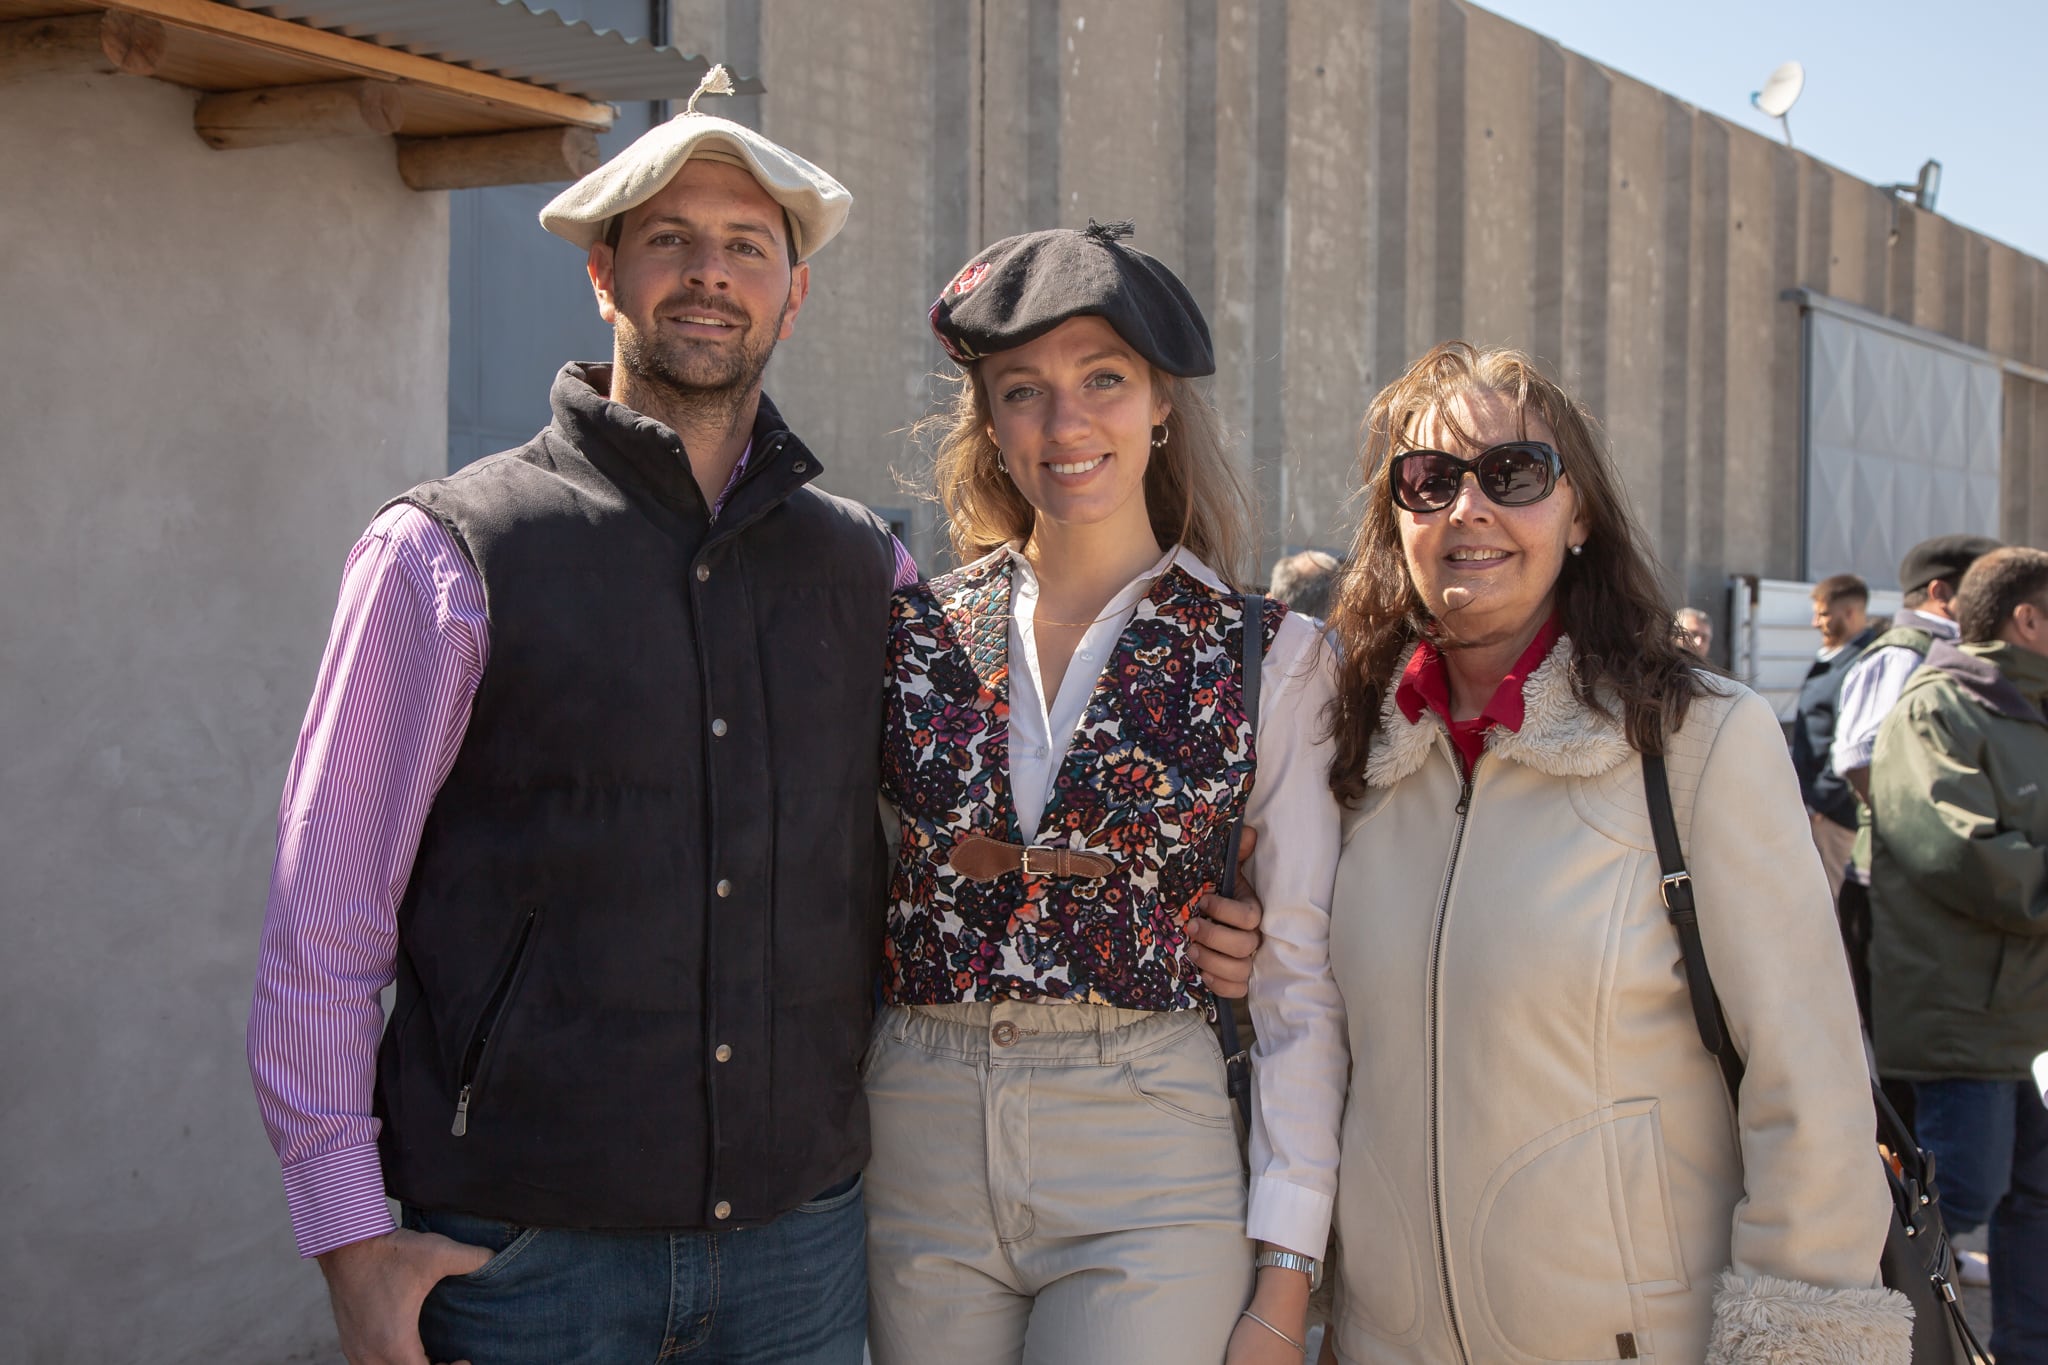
<point x="1560" y="734"/>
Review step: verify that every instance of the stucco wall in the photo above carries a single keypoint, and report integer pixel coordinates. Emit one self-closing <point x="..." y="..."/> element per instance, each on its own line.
<point x="213" y="367"/>
<point x="1344" y="183"/>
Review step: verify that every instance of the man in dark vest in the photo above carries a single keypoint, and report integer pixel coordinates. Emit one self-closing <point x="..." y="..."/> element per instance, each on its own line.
<point x="1840" y="613"/>
<point x="590" y="774"/>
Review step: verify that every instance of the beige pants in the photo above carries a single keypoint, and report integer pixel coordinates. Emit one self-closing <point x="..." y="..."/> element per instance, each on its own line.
<point x="1051" y="1183"/>
<point x="1835" y="845"/>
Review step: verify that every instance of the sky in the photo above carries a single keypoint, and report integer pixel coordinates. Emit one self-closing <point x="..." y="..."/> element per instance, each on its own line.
<point x="1889" y="83"/>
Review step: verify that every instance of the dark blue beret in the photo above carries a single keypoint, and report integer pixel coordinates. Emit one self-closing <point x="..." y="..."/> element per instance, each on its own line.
<point x="1023" y="287"/>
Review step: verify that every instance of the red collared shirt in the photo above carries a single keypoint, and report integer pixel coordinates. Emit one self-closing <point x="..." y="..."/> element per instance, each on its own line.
<point x="1426" y="686"/>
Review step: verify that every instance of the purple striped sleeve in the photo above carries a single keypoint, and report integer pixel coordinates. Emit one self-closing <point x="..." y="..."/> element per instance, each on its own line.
<point x="906" y="567"/>
<point x="390" y="704"/>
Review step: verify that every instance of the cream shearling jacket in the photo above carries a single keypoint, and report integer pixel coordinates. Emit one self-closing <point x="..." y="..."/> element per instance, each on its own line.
<point x="1540" y="1162"/>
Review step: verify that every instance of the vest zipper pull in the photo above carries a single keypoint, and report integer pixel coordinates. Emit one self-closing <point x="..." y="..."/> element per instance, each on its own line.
<point x="461" y="1125"/>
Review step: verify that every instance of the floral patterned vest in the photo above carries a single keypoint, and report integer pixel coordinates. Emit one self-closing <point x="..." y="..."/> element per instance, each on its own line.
<point x="1159" y="767"/>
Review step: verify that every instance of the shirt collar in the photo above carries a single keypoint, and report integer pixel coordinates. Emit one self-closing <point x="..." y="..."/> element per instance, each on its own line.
<point x="732" y="480"/>
<point x="1426" y="683"/>
<point x="1178" y="556"/>
<point x="1938" y="626"/>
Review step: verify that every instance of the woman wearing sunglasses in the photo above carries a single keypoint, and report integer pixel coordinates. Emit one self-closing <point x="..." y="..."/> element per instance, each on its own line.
<point x="1540" y="1160"/>
<point x="1069" y="741"/>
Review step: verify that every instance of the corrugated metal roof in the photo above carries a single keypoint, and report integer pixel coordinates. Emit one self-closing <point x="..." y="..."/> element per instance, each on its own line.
<point x="507" y="38"/>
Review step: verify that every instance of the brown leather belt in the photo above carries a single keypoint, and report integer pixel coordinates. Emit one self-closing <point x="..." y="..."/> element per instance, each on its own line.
<point x="982" y="859"/>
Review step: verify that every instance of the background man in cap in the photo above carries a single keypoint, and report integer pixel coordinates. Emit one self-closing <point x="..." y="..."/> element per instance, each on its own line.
<point x="590" y="772"/>
<point x="1840" y="613"/>
<point x="1959" y="890"/>
<point x="1928" y="577"/>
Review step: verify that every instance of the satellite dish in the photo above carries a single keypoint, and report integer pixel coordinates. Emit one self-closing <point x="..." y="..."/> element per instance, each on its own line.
<point x="1780" y="93"/>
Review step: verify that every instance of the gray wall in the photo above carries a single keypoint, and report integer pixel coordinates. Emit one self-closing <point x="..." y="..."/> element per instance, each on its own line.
<point x="519" y="303"/>
<point x="213" y="367"/>
<point x="1344" y="183"/>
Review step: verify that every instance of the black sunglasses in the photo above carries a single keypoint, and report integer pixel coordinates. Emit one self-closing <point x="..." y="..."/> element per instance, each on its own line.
<point x="1512" y="474"/>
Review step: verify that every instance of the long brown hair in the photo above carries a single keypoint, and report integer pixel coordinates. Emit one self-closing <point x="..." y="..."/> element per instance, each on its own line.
<point x="1625" y="651"/>
<point x="1194" y="495"/>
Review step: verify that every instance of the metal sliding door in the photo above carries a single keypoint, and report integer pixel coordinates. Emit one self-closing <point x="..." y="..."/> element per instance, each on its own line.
<point x="519" y="304"/>
<point x="1903" y="429"/>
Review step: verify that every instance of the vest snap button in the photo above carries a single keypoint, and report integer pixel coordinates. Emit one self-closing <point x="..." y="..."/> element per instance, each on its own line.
<point x="721" y="1210"/>
<point x="703" y="573"/>
<point x="724" y="888"/>
<point x="724" y="1053"/>
<point x="1003" y="1034"/>
<point x="799" y="466"/>
<point x="718" y="728"/>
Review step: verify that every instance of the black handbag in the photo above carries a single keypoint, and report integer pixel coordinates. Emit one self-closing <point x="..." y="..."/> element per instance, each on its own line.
<point x="1237" y="1063"/>
<point x="1918" y="1260"/>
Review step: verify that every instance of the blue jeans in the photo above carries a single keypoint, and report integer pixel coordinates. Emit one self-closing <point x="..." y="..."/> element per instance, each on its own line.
<point x="1990" y="1146"/>
<point x="791" y="1293"/>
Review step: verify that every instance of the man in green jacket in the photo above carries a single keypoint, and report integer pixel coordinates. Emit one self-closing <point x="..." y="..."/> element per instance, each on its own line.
<point x="1959" y="957"/>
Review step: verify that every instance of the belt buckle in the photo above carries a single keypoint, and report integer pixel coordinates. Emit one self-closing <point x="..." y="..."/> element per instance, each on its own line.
<point x="1049" y="854"/>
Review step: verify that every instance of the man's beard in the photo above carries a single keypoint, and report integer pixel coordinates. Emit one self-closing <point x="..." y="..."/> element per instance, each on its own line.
<point x="700" y="380"/>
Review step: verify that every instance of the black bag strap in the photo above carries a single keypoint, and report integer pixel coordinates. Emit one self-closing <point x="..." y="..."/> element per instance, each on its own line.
<point x="1914" y="1197"/>
<point x="1675" y="887"/>
<point x="1251" y="664"/>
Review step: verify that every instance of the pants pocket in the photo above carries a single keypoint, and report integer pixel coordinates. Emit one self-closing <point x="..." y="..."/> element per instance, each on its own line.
<point x="505" y="1241"/>
<point x="831" y="1201"/>
<point x="1184" y="1078"/>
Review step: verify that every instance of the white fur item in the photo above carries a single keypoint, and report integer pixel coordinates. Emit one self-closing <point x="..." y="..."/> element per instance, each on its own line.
<point x="1560" y="735"/>
<point x="1763" y="1320"/>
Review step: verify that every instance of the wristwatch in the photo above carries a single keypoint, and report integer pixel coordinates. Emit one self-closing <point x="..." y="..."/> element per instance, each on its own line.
<point x="1292" y="1260"/>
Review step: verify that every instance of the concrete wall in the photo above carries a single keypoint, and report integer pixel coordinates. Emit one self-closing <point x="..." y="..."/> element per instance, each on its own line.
<point x="1344" y="183"/>
<point x="213" y="367"/>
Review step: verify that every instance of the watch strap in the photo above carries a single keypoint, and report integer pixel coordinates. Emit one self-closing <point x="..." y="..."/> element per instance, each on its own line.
<point x="1293" y="1260"/>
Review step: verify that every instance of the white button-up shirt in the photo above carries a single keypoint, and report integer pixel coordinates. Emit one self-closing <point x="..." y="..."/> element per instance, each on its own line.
<point x="1301" y="1058"/>
<point x="1870" y="687"/>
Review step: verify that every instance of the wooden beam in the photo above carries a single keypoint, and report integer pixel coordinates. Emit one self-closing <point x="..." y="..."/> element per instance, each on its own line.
<point x="299" y="113"/>
<point x="107" y="44"/>
<point x="529" y="157"/>
<point x="368" y="59"/>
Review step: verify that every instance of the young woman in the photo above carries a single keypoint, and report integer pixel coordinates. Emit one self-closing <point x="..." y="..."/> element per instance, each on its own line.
<point x="1540" y="1160"/>
<point x="1055" y="1174"/>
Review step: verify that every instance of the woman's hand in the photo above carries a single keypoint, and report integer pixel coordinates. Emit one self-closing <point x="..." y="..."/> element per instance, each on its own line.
<point x="1251" y="1344"/>
<point x="1224" y="935"/>
<point x="1281" y="1300"/>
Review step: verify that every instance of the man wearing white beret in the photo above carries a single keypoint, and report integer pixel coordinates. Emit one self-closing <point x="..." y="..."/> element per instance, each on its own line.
<point x="589" y="773"/>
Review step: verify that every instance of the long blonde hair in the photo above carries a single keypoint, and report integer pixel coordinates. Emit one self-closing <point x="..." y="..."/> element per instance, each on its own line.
<point x="1194" y="495"/>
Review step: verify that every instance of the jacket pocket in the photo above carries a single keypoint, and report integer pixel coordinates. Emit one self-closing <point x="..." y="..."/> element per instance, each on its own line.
<point x="1571" y="1230"/>
<point x="2019" y="981"/>
<point x="1382" y="1261"/>
<point x="469" y="1078"/>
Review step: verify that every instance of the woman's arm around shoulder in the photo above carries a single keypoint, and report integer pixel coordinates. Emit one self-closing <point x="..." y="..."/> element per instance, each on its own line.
<point x="1300" y="1062"/>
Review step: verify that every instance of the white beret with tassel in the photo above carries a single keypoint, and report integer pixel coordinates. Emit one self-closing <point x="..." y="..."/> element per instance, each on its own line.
<point x="817" y="204"/>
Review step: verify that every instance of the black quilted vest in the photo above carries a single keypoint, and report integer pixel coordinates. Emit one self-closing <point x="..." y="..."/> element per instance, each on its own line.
<point x="637" y="945"/>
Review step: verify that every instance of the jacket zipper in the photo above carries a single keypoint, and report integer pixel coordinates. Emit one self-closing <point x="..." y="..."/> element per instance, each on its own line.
<point x="1436" y="960"/>
<point x="473" y="1058"/>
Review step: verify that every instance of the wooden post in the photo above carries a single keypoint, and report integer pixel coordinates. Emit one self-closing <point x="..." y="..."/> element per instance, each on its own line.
<point x="106" y="43"/>
<point x="532" y="156"/>
<point x="298" y="113"/>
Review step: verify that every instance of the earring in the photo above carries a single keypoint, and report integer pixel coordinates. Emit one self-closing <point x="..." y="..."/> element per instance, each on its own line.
<point x="1159" y="436"/>
<point x="999" y="461"/>
<point x="1578" y="549"/>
